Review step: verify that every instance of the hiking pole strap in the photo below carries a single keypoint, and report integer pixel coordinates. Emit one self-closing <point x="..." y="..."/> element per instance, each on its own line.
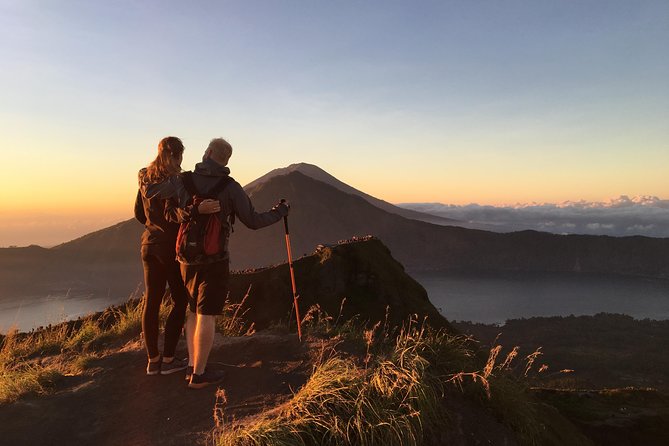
<point x="285" y="218"/>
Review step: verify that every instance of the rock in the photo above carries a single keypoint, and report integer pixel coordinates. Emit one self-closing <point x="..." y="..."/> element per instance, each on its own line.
<point x="362" y="271"/>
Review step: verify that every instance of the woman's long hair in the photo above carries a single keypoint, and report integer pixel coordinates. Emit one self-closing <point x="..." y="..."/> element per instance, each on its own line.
<point x="166" y="163"/>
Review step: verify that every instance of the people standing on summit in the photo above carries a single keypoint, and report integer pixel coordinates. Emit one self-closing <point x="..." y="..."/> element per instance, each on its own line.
<point x="158" y="258"/>
<point x="206" y="275"/>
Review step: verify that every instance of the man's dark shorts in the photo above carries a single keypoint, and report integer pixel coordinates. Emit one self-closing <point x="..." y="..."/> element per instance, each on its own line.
<point x="207" y="286"/>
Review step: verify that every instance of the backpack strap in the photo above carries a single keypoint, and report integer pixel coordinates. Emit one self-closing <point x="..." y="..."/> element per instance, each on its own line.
<point x="220" y="186"/>
<point x="187" y="179"/>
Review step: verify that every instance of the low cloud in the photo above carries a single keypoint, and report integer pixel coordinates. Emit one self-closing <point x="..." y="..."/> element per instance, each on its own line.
<point x="622" y="216"/>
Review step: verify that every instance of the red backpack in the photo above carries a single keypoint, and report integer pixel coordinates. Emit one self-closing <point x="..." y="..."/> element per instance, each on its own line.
<point x="201" y="236"/>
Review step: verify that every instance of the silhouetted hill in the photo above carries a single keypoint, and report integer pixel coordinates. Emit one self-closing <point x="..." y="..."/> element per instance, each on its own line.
<point x="319" y="174"/>
<point x="103" y="262"/>
<point x="114" y="243"/>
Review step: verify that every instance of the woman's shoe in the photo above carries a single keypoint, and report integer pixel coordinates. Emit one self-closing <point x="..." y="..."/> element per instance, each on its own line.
<point x="153" y="368"/>
<point x="172" y="367"/>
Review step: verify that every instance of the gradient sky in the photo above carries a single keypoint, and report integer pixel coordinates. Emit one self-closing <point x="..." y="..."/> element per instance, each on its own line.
<point x="448" y="101"/>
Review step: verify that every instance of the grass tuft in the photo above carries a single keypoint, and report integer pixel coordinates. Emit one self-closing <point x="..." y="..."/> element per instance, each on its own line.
<point x="395" y="392"/>
<point x="393" y="399"/>
<point x="232" y="322"/>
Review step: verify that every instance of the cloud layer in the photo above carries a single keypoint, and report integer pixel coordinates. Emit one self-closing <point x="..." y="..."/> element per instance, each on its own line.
<point x="622" y="216"/>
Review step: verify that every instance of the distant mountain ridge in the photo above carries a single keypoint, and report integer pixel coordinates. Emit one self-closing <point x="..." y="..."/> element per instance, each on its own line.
<point x="108" y="260"/>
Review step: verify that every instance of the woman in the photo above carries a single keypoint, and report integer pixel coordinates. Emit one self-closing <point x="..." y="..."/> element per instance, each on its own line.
<point x="157" y="183"/>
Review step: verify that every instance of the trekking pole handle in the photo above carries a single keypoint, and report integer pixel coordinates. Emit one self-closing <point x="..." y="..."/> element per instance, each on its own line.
<point x="285" y="218"/>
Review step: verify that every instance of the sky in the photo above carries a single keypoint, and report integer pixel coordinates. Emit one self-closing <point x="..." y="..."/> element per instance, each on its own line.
<point x="454" y="102"/>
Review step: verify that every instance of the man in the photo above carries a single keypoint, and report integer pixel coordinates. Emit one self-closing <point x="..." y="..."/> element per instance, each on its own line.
<point x="206" y="278"/>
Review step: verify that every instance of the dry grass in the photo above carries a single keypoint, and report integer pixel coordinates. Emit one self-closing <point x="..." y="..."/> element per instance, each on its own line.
<point x="232" y="322"/>
<point x="394" y="398"/>
<point x="35" y="362"/>
<point x="395" y="394"/>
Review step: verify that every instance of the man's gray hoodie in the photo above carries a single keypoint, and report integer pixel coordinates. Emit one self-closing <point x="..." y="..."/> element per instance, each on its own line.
<point x="233" y="199"/>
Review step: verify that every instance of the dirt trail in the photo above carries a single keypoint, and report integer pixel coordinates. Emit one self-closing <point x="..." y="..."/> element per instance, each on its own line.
<point x="120" y="405"/>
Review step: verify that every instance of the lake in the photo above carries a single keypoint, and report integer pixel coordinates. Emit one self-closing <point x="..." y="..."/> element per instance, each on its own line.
<point x="30" y="312"/>
<point x="494" y="298"/>
<point x="487" y="298"/>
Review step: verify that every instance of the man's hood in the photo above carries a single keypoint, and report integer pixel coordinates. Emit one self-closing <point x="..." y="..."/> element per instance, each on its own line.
<point x="211" y="168"/>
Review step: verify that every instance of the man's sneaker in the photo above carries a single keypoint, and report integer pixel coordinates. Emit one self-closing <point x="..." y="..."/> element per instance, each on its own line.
<point x="207" y="378"/>
<point x="174" y="366"/>
<point x="153" y="368"/>
<point x="189" y="372"/>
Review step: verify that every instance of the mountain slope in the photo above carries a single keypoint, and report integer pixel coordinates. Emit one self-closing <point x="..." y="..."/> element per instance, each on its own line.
<point x="319" y="174"/>
<point x="103" y="262"/>
<point x="322" y="214"/>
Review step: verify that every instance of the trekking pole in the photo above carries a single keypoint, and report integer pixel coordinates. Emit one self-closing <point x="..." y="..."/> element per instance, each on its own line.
<point x="292" y="277"/>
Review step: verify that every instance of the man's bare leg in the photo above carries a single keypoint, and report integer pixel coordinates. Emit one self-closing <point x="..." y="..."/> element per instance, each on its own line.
<point x="203" y="341"/>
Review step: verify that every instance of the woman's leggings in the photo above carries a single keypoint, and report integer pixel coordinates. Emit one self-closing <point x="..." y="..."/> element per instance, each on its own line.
<point x="160" y="267"/>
